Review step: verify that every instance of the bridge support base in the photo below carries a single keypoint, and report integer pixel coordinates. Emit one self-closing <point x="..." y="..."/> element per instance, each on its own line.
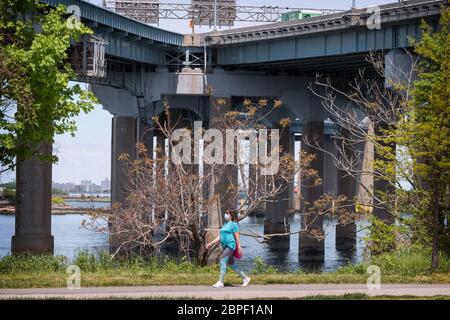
<point x="312" y="249"/>
<point x="33" y="207"/>
<point x="276" y="220"/>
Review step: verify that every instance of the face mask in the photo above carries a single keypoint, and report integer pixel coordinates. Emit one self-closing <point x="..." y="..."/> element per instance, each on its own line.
<point x="227" y="217"/>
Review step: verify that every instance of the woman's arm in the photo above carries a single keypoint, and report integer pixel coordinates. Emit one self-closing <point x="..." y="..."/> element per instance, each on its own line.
<point x="237" y="236"/>
<point x="213" y="242"/>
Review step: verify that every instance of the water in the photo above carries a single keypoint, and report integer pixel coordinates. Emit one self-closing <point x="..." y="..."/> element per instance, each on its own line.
<point x="87" y="204"/>
<point x="70" y="238"/>
<point x="289" y="261"/>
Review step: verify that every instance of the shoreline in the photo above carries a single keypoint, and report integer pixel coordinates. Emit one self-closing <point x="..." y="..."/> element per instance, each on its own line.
<point x="57" y="209"/>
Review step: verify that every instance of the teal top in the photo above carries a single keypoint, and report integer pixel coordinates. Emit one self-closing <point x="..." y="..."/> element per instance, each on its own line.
<point x="227" y="235"/>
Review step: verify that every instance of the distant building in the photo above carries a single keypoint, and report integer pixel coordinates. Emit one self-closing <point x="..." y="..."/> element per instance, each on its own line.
<point x="86" y="185"/>
<point x="66" y="187"/>
<point x="106" y="185"/>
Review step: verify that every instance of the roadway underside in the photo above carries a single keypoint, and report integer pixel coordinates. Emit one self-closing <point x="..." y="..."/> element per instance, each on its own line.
<point x="340" y="65"/>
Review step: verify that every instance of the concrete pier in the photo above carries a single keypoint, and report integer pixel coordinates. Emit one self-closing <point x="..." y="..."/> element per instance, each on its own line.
<point x="256" y="185"/>
<point x="124" y="139"/>
<point x="219" y="194"/>
<point x="310" y="248"/>
<point x="33" y="207"/>
<point x="347" y="186"/>
<point x="382" y="187"/>
<point x="226" y="175"/>
<point x="276" y="220"/>
<point x="146" y="138"/>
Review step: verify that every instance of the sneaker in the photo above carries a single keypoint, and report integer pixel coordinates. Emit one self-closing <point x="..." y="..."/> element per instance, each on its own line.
<point x="245" y="282"/>
<point x="218" y="284"/>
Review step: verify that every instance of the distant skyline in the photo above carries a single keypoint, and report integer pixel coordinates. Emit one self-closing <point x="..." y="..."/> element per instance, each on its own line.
<point x="87" y="156"/>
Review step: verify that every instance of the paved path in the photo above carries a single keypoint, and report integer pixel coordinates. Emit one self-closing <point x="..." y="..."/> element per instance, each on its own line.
<point x="252" y="291"/>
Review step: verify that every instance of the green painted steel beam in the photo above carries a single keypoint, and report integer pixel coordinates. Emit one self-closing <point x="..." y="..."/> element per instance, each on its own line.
<point x="319" y="45"/>
<point x="104" y="17"/>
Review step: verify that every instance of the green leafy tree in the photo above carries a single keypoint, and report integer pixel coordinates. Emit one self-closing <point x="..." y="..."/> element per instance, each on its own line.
<point x="421" y="133"/>
<point x="425" y="131"/>
<point x="408" y="125"/>
<point x="36" y="100"/>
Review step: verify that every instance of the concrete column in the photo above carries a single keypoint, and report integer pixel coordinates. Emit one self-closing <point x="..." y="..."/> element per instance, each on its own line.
<point x="220" y="196"/>
<point x="276" y="219"/>
<point x="229" y="173"/>
<point x="159" y="150"/>
<point x="256" y="184"/>
<point x="298" y="195"/>
<point x="146" y="138"/>
<point x="160" y="145"/>
<point x="124" y="139"/>
<point x="291" y="183"/>
<point x="33" y="207"/>
<point x="330" y="172"/>
<point x="347" y="186"/>
<point x="365" y="189"/>
<point x="382" y="186"/>
<point x="252" y="180"/>
<point x="310" y="248"/>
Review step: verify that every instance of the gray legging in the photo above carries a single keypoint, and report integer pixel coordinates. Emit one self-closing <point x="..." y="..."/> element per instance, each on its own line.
<point x="227" y="258"/>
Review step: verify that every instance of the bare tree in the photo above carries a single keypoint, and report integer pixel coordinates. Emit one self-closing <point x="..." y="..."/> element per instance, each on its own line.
<point x="366" y="112"/>
<point x="166" y="203"/>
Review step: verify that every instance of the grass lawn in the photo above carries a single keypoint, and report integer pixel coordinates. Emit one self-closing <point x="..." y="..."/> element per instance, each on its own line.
<point x="136" y="278"/>
<point x="101" y="270"/>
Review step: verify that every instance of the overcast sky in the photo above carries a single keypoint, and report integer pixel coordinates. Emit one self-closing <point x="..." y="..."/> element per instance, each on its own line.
<point x="87" y="155"/>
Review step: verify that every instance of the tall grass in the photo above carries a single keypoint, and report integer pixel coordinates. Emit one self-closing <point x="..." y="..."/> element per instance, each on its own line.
<point x="405" y="262"/>
<point x="400" y="263"/>
<point x="33" y="264"/>
<point x="100" y="262"/>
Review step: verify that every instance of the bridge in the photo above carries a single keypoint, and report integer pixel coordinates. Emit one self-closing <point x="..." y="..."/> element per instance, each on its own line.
<point x="145" y="65"/>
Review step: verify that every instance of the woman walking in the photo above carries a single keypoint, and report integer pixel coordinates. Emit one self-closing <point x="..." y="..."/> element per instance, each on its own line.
<point x="230" y="242"/>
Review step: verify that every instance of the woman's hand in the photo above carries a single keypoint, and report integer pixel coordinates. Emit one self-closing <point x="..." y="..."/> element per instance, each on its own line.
<point x="212" y="242"/>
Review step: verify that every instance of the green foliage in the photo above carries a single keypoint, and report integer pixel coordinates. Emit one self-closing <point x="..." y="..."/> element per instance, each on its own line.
<point x="58" y="191"/>
<point x="91" y="263"/>
<point x="422" y="157"/>
<point x="359" y="268"/>
<point x="409" y="262"/>
<point x="401" y="266"/>
<point x="105" y="262"/>
<point x="57" y="200"/>
<point x="425" y="132"/>
<point x="384" y="237"/>
<point x="32" y="264"/>
<point x="10" y="195"/>
<point x="9" y="185"/>
<point x="262" y="268"/>
<point x="36" y="101"/>
<point x="404" y="262"/>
